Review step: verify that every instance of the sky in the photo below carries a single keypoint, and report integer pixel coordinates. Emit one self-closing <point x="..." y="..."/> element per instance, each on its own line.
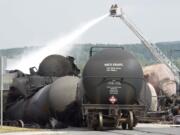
<point x="37" y="22"/>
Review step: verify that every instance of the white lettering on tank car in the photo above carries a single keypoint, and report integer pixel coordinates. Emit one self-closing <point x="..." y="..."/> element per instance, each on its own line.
<point x="113" y="67"/>
<point x="113" y="90"/>
<point x="113" y="87"/>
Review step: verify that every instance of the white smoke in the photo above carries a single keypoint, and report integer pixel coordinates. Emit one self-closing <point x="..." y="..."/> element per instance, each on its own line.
<point x="62" y="46"/>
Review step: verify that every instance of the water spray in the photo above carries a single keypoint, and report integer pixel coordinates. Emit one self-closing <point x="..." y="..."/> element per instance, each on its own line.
<point x="61" y="46"/>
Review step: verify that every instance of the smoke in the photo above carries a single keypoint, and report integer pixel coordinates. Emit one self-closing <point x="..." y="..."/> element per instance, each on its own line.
<point x="62" y="46"/>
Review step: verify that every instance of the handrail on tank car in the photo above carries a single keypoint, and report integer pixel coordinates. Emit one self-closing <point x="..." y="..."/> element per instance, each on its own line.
<point x="93" y="47"/>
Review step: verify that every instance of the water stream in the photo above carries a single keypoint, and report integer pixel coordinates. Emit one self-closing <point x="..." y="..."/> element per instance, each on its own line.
<point x="61" y="45"/>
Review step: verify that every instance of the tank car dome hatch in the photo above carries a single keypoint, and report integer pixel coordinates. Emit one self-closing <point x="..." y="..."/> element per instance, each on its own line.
<point x="57" y="65"/>
<point x="110" y="72"/>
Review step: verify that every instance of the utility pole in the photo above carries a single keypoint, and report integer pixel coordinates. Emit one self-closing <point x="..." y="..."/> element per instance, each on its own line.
<point x="1" y="86"/>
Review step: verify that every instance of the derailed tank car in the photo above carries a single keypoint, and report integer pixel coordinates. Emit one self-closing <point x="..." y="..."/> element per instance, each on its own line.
<point x="109" y="90"/>
<point x="51" y="101"/>
<point x="40" y="96"/>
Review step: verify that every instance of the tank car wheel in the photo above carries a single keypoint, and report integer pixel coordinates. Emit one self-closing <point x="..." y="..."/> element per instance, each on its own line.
<point x="88" y="122"/>
<point x="20" y="123"/>
<point x="92" y="122"/>
<point x="130" y="120"/>
<point x="124" y="125"/>
<point x="135" y="121"/>
<point x="100" y="121"/>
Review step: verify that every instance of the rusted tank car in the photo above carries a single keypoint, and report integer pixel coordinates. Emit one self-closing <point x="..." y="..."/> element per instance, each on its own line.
<point x="161" y="78"/>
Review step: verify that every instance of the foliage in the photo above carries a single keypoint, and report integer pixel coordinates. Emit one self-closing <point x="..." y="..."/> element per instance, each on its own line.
<point x="81" y="52"/>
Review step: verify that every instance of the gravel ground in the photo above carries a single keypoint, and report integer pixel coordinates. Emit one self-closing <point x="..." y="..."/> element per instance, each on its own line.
<point x="141" y="129"/>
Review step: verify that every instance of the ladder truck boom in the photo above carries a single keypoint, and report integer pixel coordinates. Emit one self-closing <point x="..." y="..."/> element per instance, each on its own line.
<point x="155" y="51"/>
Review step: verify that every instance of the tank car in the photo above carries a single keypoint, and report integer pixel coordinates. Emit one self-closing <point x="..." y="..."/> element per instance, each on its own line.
<point x="109" y="90"/>
<point x="51" y="101"/>
<point x="41" y="95"/>
<point x="58" y="65"/>
<point x="52" y="67"/>
<point x="161" y="78"/>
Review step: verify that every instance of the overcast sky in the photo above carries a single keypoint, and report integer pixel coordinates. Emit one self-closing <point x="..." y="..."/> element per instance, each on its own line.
<point x="36" y="22"/>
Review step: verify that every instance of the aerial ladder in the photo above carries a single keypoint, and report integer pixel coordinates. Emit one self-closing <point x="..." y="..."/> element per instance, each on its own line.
<point x="155" y="51"/>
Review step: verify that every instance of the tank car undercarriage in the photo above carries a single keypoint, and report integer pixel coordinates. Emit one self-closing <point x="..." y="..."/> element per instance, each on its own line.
<point x="105" y="116"/>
